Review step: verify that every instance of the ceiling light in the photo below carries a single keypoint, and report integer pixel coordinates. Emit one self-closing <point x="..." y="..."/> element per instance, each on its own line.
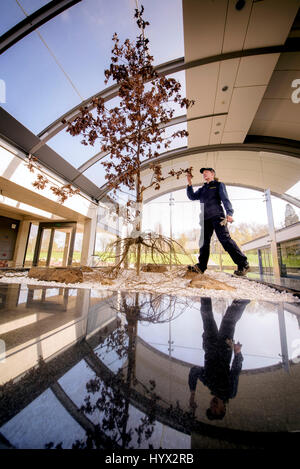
<point x="240" y="4"/>
<point x="216" y="133"/>
<point x="218" y="123"/>
<point x="225" y="88"/>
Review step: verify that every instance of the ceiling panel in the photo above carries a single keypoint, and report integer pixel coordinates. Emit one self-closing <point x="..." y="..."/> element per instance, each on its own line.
<point x="257" y="24"/>
<point x="227" y="76"/>
<point x="256" y="70"/>
<point x="278" y="129"/>
<point x="280" y="84"/>
<point x="270" y="22"/>
<point x="255" y="169"/>
<point x="243" y="107"/>
<point x="233" y="137"/>
<point x="217" y="128"/>
<point x="236" y="26"/>
<point x="199" y="132"/>
<point x="289" y="61"/>
<point x="283" y="110"/>
<point x="201" y="39"/>
<point x="201" y="85"/>
<point x="277" y="115"/>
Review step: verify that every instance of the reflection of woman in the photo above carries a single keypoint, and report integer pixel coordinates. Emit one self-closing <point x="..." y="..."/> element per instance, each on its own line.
<point x="218" y="346"/>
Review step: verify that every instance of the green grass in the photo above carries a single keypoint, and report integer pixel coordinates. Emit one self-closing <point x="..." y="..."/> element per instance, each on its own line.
<point x="147" y="259"/>
<point x="291" y="261"/>
<point x="55" y="255"/>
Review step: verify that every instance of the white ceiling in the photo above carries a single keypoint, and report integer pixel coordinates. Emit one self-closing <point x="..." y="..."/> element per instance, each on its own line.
<point x="212" y="28"/>
<point x="245" y="168"/>
<point x="257" y="100"/>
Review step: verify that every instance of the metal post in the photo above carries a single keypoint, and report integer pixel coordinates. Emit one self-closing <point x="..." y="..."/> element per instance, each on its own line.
<point x="171" y="203"/>
<point x="66" y="250"/>
<point x="272" y="234"/>
<point x="283" y="338"/>
<point x="261" y="271"/>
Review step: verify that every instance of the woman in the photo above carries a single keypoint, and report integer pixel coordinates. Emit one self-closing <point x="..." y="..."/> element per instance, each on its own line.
<point x="212" y="194"/>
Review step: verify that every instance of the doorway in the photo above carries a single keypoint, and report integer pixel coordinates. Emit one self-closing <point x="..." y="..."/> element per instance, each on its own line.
<point x="54" y="244"/>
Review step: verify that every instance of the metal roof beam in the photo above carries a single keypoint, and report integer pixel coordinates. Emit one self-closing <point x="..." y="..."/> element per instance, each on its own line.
<point x="285" y="197"/>
<point x="185" y="151"/>
<point x="33" y="21"/>
<point x="173" y="66"/>
<point x="175" y="121"/>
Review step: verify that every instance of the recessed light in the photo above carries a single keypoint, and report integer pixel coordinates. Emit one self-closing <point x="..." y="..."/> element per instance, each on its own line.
<point x="218" y="123"/>
<point x="240" y="4"/>
<point x="225" y="88"/>
<point x="216" y="133"/>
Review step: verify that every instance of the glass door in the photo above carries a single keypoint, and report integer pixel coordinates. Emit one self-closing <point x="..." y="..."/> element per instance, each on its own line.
<point x="45" y="242"/>
<point x="55" y="244"/>
<point x="60" y="247"/>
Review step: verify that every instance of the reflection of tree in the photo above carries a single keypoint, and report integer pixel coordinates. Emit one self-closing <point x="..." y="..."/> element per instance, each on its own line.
<point x="109" y="395"/>
<point x="113" y="404"/>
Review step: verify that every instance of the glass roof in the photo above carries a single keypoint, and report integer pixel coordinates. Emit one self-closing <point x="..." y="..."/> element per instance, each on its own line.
<point x="62" y="63"/>
<point x="11" y="13"/>
<point x="45" y="80"/>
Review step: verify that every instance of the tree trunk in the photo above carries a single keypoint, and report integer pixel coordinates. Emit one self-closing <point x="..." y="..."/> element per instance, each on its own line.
<point x="139" y="200"/>
<point x="138" y="229"/>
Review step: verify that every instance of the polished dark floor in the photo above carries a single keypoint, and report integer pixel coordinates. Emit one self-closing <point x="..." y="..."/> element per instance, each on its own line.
<point x="113" y="370"/>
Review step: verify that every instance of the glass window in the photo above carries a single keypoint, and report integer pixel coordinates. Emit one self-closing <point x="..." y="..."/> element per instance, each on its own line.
<point x="31" y="244"/>
<point x="78" y="244"/>
<point x="252" y="256"/>
<point x="289" y="252"/>
<point x="102" y="245"/>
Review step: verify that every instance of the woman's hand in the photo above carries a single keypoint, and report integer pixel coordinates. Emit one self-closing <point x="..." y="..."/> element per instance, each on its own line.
<point x="189" y="179"/>
<point x="237" y="348"/>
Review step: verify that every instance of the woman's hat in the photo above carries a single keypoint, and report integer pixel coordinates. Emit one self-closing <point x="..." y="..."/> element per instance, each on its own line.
<point x="207" y="169"/>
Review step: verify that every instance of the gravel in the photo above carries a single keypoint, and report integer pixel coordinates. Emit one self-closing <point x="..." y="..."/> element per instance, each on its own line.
<point x="171" y="283"/>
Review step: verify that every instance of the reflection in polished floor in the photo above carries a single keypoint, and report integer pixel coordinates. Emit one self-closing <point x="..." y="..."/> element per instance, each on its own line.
<point x="108" y="363"/>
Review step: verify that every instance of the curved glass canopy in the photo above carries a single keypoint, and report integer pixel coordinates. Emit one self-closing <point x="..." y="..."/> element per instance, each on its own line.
<point x="61" y="64"/>
<point x="12" y="14"/>
<point x="48" y="74"/>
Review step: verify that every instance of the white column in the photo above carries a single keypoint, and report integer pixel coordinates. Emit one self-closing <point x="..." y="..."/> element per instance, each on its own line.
<point x="89" y="234"/>
<point x="21" y="242"/>
<point x="272" y="234"/>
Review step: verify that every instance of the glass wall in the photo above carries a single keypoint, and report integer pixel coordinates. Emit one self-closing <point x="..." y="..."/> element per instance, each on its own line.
<point x="289" y="256"/>
<point x="109" y="228"/>
<point x="103" y="247"/>
<point x="76" y="260"/>
<point x="266" y="260"/>
<point x="31" y="244"/>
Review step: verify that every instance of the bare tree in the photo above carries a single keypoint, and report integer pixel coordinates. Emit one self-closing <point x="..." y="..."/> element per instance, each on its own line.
<point x="133" y="131"/>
